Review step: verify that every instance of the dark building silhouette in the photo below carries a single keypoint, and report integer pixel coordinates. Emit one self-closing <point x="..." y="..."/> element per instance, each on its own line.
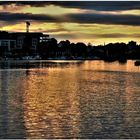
<point x="36" y="45"/>
<point x="21" y="41"/>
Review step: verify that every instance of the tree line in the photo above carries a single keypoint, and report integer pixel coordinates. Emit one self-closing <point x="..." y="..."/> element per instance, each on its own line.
<point x="79" y="50"/>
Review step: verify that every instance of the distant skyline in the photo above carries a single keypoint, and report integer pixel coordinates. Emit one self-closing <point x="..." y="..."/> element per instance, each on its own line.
<point x="78" y="21"/>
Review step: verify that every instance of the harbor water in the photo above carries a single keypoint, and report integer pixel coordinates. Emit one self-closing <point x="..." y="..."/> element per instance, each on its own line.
<point x="70" y="99"/>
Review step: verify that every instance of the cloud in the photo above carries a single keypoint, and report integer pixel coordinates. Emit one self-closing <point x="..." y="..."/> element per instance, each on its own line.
<point x="65" y="36"/>
<point x="118" y="35"/>
<point x="16" y="17"/>
<point x="83" y="18"/>
<point x="105" y="19"/>
<point x="95" y="36"/>
<point x="53" y="30"/>
<point x="92" y="5"/>
<point x="101" y="5"/>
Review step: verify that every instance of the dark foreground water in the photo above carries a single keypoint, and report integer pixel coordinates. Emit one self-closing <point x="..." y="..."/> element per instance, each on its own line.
<point x="90" y="99"/>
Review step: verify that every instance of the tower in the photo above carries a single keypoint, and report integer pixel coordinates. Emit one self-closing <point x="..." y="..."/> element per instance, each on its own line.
<point x="27" y="26"/>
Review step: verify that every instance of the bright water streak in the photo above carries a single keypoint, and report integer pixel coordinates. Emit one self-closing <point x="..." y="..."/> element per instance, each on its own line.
<point x="92" y="99"/>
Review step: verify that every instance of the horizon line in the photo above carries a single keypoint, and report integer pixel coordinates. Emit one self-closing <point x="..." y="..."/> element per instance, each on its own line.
<point x="103" y="44"/>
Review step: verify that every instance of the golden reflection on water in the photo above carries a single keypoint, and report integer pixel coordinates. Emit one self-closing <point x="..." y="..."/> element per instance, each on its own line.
<point x="57" y="101"/>
<point x="91" y="100"/>
<point x="50" y="103"/>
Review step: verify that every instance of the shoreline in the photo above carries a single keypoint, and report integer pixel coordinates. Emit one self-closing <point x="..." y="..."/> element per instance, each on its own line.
<point x="27" y="64"/>
<point x="49" y="60"/>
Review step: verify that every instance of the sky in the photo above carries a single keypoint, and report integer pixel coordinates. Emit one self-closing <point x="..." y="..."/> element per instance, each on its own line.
<point x="95" y="22"/>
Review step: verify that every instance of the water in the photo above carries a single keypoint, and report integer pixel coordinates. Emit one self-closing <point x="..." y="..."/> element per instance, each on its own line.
<point x="90" y="99"/>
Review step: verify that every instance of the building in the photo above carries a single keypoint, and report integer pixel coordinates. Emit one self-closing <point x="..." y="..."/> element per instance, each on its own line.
<point x="27" y="42"/>
<point x="7" y="42"/>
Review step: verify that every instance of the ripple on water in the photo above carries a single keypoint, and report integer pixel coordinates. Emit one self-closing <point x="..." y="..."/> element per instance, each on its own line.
<point x="93" y="99"/>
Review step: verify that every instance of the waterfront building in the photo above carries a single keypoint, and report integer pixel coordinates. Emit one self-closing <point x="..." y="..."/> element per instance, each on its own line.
<point x="27" y="41"/>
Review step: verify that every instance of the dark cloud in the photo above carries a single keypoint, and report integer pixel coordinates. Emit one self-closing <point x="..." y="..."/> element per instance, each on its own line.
<point x="58" y="29"/>
<point x="16" y="17"/>
<point x="93" y="36"/>
<point x="101" y="5"/>
<point x="105" y="19"/>
<point x="94" y="5"/>
<point x="82" y="18"/>
<point x="118" y="35"/>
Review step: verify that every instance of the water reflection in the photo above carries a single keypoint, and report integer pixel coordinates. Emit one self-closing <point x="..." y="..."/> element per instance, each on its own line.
<point x="3" y="106"/>
<point x="53" y="113"/>
<point x="91" y="100"/>
<point x="11" y="107"/>
<point x="102" y="108"/>
<point x="28" y="64"/>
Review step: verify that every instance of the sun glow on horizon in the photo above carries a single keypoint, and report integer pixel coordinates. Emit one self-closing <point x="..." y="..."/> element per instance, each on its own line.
<point x="65" y="28"/>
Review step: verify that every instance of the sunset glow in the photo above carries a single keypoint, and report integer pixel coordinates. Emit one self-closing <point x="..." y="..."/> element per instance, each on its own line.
<point x="94" y="22"/>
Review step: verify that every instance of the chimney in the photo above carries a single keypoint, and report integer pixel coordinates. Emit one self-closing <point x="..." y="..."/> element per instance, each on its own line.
<point x="27" y="26"/>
